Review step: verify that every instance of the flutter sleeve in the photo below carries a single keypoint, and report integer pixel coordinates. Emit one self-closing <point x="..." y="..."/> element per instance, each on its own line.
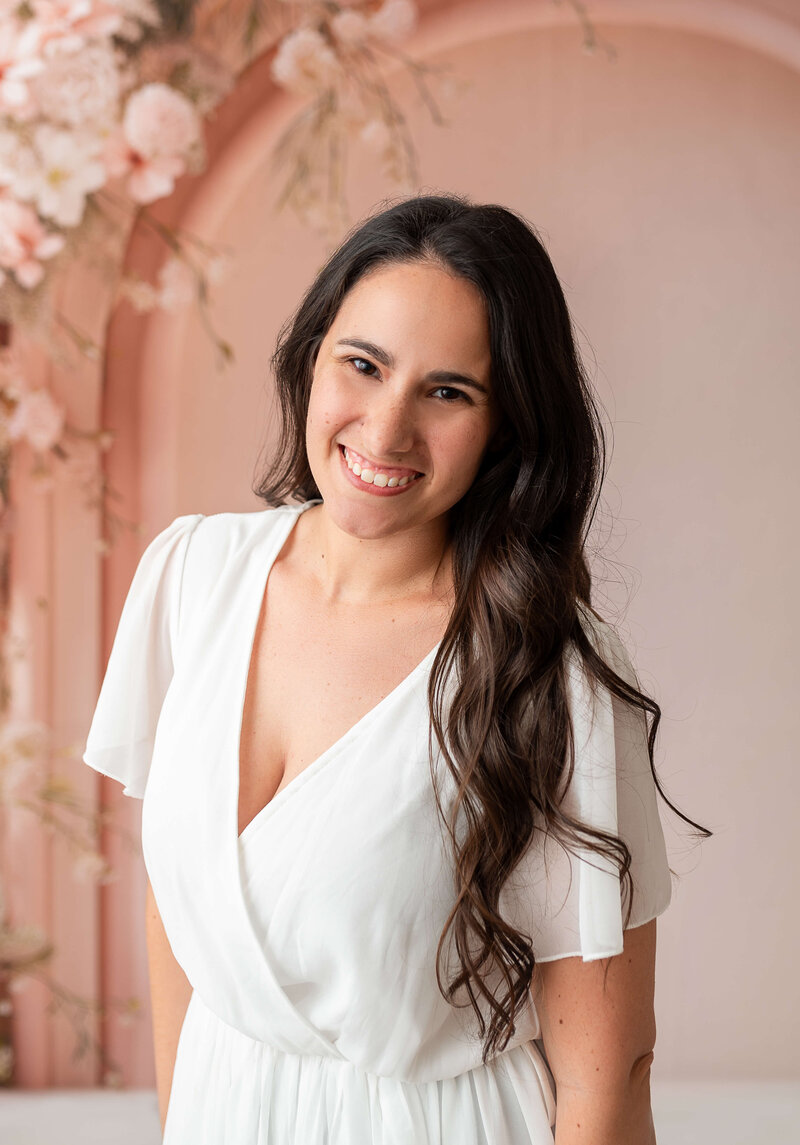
<point x="571" y="902"/>
<point x="140" y="666"/>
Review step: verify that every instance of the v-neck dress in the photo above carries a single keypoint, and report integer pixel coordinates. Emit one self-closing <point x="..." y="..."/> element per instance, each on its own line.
<point x="310" y="941"/>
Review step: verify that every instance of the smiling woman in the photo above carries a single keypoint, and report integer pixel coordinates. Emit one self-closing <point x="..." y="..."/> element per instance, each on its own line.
<point x="400" y="816"/>
<point x="417" y="403"/>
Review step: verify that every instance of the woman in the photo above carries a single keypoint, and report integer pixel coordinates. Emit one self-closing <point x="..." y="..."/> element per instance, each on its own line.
<point x="399" y="803"/>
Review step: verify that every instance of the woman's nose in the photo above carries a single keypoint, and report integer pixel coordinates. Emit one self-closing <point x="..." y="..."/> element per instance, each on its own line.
<point x="389" y="426"/>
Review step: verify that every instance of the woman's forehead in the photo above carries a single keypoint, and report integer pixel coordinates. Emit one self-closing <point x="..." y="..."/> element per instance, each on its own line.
<point x="417" y="305"/>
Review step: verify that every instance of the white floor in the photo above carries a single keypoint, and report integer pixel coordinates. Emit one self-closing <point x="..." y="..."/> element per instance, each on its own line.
<point x="712" y="1113"/>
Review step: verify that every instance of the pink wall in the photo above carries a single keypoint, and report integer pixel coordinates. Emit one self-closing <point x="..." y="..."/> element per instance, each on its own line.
<point x="664" y="186"/>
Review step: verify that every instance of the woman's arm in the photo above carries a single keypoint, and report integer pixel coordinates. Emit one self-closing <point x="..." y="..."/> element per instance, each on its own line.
<point x="598" y="1038"/>
<point x="169" y="992"/>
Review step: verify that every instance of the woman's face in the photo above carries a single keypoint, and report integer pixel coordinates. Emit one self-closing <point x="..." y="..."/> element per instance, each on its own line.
<point x="401" y="386"/>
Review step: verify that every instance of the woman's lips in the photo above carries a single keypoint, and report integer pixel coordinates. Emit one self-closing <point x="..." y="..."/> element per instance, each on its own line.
<point x="375" y="490"/>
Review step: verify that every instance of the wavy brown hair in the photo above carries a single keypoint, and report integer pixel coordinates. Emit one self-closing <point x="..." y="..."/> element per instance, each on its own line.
<point x="518" y="538"/>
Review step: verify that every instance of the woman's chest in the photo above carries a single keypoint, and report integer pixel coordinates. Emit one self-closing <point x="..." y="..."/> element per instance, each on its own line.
<point x="316" y="673"/>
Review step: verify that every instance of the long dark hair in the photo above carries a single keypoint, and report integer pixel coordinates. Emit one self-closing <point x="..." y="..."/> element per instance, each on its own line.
<point x="519" y="566"/>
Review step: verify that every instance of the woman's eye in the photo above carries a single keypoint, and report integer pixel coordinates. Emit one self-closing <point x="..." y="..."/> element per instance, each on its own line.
<point x="452" y="390"/>
<point x="363" y="362"/>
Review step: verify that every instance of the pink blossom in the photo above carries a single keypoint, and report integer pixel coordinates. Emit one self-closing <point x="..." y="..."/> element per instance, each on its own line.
<point x="24" y="241"/>
<point x="376" y="135"/>
<point x="18" y="64"/>
<point x="66" y="25"/>
<point x="159" y="121"/>
<point x="394" y="20"/>
<point x="304" y="62"/>
<point x="141" y="294"/>
<point x="57" y="173"/>
<point x="147" y="179"/>
<point x="38" y="419"/>
<point x="118" y="155"/>
<point x="80" y="88"/>
<point x="12" y="373"/>
<point x="177" y="286"/>
<point x="155" y="179"/>
<point x="349" y="27"/>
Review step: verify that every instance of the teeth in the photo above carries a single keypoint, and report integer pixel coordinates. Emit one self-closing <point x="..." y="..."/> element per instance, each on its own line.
<point x="373" y="477"/>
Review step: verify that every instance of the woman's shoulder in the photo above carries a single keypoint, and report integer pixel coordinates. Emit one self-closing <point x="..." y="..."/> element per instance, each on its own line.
<point x="222" y="544"/>
<point x="230" y="529"/>
<point x="221" y="540"/>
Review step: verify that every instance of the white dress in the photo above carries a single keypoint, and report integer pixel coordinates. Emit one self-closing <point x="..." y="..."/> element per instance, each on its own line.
<point x="310" y="941"/>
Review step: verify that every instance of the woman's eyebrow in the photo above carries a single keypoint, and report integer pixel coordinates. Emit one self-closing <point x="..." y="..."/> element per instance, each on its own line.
<point x="443" y="377"/>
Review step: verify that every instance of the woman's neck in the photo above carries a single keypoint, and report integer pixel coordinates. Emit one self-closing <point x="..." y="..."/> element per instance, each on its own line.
<point x="412" y="564"/>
